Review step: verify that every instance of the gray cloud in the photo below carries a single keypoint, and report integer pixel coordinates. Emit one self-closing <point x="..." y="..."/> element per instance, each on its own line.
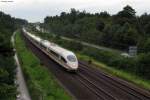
<point x="36" y="10"/>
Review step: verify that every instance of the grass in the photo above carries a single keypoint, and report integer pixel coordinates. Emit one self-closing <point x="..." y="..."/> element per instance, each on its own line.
<point x="117" y="72"/>
<point x="41" y="83"/>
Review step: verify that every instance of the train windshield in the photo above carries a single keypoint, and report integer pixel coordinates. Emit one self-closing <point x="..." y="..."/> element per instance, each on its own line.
<point x="71" y="58"/>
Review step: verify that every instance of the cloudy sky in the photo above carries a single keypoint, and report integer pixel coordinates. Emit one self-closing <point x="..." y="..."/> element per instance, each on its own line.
<point x="36" y="10"/>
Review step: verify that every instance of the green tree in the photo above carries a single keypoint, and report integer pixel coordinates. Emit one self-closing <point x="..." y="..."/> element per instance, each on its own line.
<point x="127" y="12"/>
<point x="73" y="15"/>
<point x="143" y="65"/>
<point x="7" y="70"/>
<point x="100" y="25"/>
<point x="104" y="14"/>
<point x="147" y="28"/>
<point x="146" y="47"/>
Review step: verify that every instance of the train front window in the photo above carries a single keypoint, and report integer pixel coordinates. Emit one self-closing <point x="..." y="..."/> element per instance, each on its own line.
<point x="71" y="58"/>
<point x="63" y="60"/>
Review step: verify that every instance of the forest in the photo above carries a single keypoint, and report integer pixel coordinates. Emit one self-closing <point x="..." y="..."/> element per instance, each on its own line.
<point x="119" y="31"/>
<point x="8" y="25"/>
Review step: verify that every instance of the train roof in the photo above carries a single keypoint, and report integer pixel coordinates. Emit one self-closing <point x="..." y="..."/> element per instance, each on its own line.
<point x="35" y="37"/>
<point x="61" y="50"/>
<point x="52" y="46"/>
<point x="38" y="38"/>
<point x="57" y="49"/>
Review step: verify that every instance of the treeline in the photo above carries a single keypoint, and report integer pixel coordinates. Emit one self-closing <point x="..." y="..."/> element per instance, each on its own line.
<point x="7" y="66"/>
<point x="120" y="31"/>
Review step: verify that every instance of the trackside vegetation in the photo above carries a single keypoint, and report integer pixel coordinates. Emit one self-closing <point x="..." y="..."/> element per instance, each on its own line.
<point x="132" y="69"/>
<point x="41" y="83"/>
<point x="131" y="77"/>
<point x="8" y="25"/>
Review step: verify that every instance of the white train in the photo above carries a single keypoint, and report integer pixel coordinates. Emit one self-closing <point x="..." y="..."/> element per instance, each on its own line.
<point x="65" y="58"/>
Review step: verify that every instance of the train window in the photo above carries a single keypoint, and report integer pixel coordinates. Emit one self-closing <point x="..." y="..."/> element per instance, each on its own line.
<point x="54" y="53"/>
<point x="71" y="58"/>
<point x="49" y="50"/>
<point x="43" y="46"/>
<point x="63" y="60"/>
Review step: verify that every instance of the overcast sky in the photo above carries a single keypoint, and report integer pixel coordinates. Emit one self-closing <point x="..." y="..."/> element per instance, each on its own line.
<point x="36" y="10"/>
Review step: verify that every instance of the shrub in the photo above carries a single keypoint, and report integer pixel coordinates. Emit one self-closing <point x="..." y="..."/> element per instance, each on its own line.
<point x="143" y="66"/>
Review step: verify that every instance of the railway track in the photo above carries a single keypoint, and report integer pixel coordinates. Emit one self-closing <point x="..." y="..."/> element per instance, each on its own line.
<point x="113" y="82"/>
<point x="95" y="88"/>
<point x="89" y="83"/>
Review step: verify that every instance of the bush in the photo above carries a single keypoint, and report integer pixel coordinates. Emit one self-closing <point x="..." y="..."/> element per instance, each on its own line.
<point x="103" y="56"/>
<point x="147" y="46"/>
<point x="143" y="66"/>
<point x="138" y="65"/>
<point x="75" y="46"/>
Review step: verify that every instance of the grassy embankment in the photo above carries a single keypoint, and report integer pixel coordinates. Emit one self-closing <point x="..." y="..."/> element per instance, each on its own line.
<point x="100" y="60"/>
<point x="40" y="81"/>
<point x="118" y="72"/>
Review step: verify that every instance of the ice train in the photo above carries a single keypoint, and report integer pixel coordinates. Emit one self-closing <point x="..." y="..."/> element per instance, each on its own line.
<point x="63" y="57"/>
